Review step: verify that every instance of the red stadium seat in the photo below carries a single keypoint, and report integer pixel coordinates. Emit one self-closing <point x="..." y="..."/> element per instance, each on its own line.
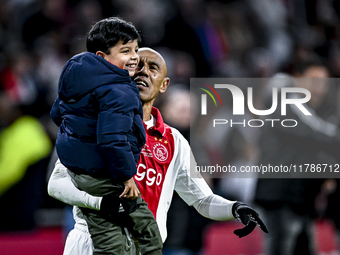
<point x="37" y="242"/>
<point x="219" y="239"/>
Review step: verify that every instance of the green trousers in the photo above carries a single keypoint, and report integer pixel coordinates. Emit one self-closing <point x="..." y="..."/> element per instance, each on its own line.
<point x="108" y="234"/>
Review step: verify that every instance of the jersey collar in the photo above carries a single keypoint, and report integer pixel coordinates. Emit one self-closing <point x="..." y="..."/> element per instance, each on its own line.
<point x="159" y="126"/>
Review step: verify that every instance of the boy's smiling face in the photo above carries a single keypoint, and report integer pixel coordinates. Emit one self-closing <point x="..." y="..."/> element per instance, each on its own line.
<point x="123" y="56"/>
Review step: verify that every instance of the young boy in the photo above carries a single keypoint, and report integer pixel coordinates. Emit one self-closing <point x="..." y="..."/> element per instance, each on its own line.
<point x="101" y="133"/>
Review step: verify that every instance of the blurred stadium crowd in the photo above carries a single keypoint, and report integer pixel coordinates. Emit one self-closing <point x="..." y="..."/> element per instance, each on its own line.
<point x="198" y="38"/>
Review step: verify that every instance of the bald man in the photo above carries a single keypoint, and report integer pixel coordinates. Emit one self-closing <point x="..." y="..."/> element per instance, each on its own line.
<point x="163" y="167"/>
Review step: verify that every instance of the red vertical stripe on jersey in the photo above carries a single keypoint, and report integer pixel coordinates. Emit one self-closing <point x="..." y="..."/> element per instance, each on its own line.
<point x="153" y="164"/>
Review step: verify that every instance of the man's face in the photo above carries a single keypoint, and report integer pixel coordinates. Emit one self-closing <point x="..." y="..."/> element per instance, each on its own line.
<point x="150" y="74"/>
<point x="123" y="56"/>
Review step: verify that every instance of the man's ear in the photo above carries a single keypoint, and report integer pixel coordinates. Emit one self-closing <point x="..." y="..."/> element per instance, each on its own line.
<point x="165" y="84"/>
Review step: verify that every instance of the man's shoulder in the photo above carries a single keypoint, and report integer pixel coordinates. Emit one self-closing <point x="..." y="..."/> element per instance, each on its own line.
<point x="178" y="138"/>
<point x="167" y="130"/>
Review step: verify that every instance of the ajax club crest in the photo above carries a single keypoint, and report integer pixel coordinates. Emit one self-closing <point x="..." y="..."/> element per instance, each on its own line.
<point x="160" y="152"/>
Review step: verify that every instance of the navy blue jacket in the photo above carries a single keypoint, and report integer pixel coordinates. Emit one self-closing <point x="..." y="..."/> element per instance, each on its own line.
<point x="100" y="118"/>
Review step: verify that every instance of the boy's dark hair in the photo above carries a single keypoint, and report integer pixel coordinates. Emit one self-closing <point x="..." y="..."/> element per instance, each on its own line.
<point x="106" y="33"/>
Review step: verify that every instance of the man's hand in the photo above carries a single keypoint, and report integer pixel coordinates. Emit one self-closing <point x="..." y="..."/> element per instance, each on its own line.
<point x="110" y="205"/>
<point x="130" y="191"/>
<point x="248" y="217"/>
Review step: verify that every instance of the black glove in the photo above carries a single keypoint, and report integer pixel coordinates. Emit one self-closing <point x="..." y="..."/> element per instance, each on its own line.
<point x="129" y="205"/>
<point x="110" y="205"/>
<point x="248" y="217"/>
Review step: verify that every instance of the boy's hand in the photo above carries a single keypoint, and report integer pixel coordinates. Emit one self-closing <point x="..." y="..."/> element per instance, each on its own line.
<point x="130" y="191"/>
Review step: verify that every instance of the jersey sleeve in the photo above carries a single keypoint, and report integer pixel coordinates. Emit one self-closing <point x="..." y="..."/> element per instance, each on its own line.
<point x="194" y="190"/>
<point x="188" y="188"/>
<point x="215" y="207"/>
<point x="61" y="187"/>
